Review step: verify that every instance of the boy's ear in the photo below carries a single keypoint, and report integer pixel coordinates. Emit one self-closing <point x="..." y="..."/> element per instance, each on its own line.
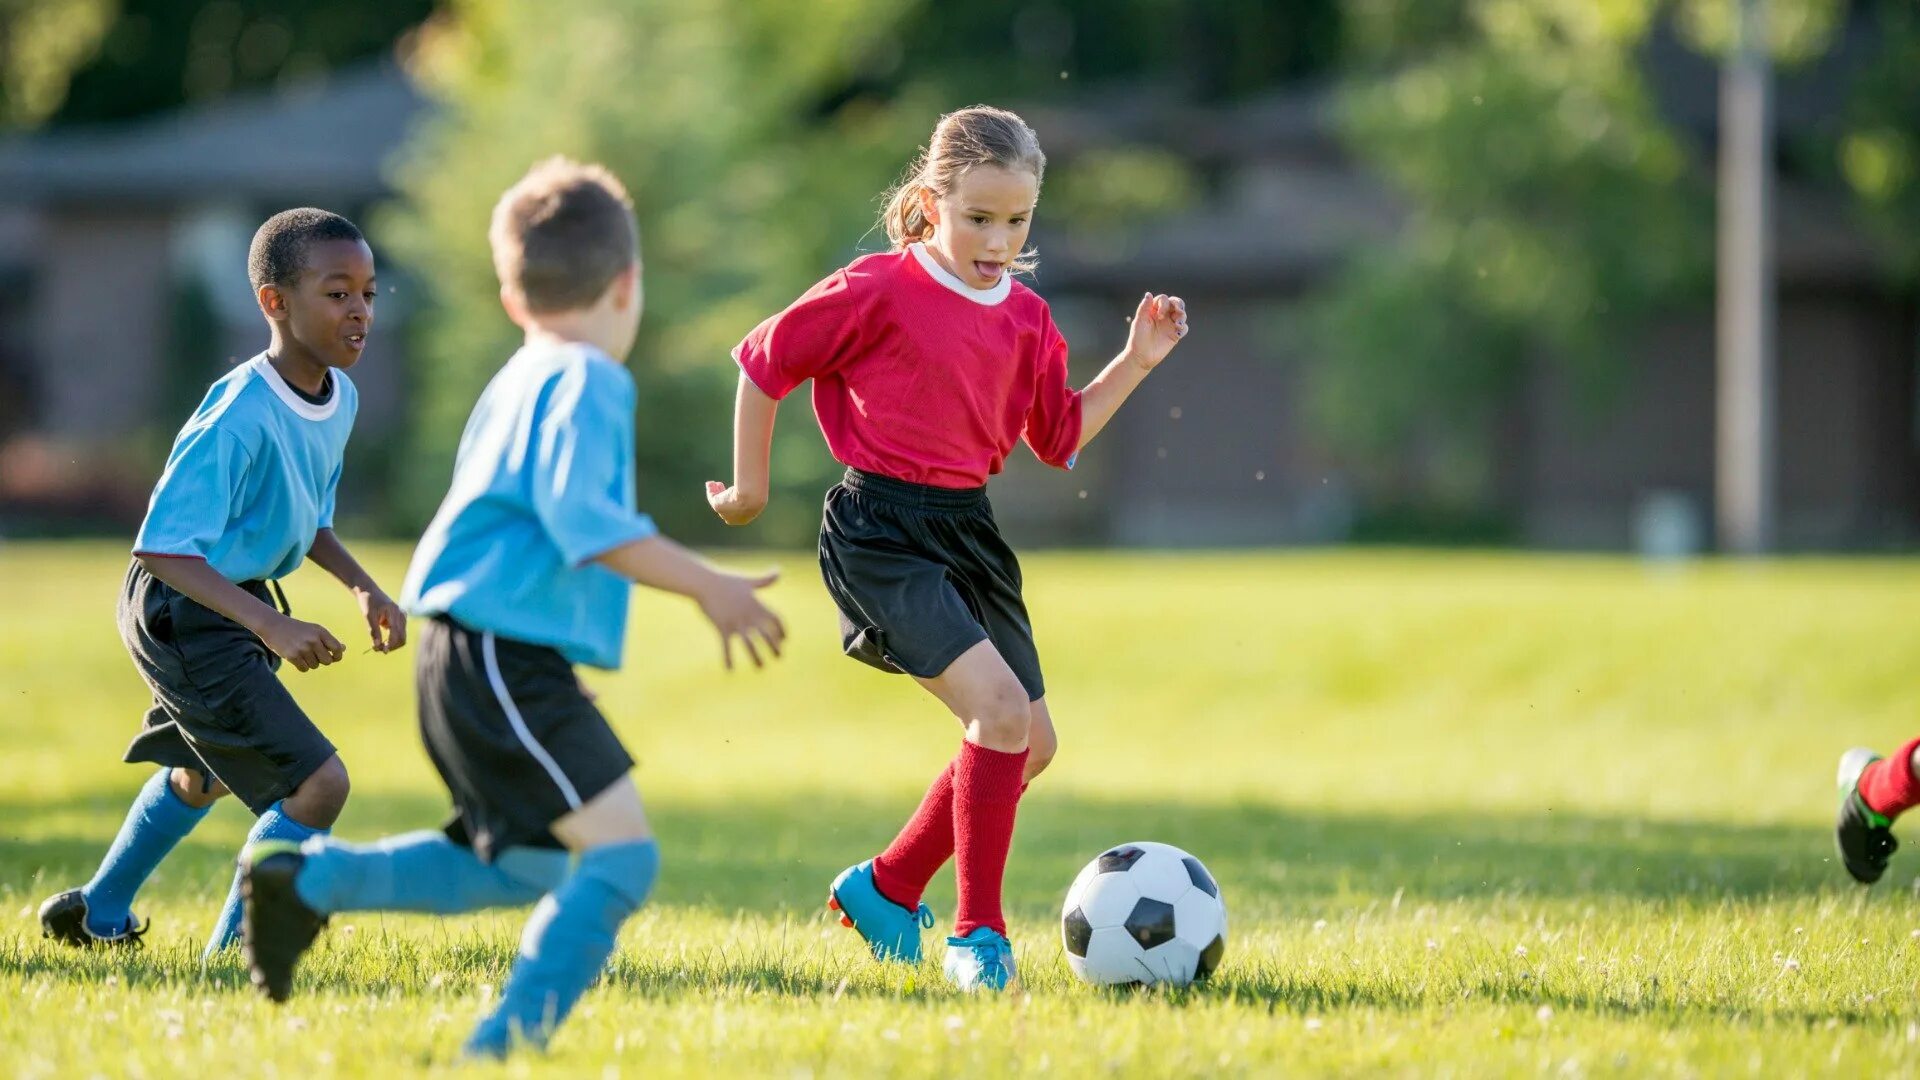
<point x="273" y="302"/>
<point x="626" y="286"/>
<point x="516" y="308"/>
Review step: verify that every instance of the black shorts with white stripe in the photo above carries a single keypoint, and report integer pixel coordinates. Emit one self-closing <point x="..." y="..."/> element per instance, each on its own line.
<point x="515" y="738"/>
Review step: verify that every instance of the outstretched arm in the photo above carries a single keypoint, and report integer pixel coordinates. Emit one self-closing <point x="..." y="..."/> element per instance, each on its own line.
<point x="1158" y="325"/>
<point x="727" y="599"/>
<point x="753" y="416"/>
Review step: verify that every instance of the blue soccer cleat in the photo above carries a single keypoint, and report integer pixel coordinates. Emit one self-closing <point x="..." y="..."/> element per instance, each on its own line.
<point x="891" y="931"/>
<point x="983" y="960"/>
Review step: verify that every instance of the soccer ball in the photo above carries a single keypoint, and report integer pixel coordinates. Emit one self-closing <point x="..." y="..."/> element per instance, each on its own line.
<point x="1144" y="913"/>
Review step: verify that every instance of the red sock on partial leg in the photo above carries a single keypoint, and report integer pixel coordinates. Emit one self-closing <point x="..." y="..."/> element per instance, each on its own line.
<point x="1888" y="786"/>
<point x="924" y="845"/>
<point x="986" y="794"/>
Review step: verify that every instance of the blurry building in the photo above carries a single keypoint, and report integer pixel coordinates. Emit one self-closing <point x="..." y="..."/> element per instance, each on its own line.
<point x="123" y="265"/>
<point x="1214" y="449"/>
<point x="122" y="256"/>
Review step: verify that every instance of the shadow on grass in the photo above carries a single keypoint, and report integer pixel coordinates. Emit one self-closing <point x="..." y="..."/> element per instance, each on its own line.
<point x="770" y="858"/>
<point x="769" y="855"/>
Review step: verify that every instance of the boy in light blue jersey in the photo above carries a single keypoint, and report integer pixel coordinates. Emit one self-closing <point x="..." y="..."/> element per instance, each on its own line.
<point x="247" y="494"/>
<point x="524" y="573"/>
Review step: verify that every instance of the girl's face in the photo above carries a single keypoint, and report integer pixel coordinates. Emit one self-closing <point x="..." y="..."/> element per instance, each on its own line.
<point x="981" y="225"/>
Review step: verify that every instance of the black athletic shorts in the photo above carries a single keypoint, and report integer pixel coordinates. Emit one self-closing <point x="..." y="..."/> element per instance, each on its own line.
<point x="921" y="575"/>
<point x="512" y="733"/>
<point x="217" y="707"/>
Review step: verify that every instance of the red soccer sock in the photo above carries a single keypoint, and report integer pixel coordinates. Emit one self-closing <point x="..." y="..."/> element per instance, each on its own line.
<point x="986" y="793"/>
<point x="924" y="845"/>
<point x="1888" y="786"/>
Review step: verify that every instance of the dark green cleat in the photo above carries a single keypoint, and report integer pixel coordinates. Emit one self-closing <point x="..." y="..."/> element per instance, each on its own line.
<point x="277" y="927"/>
<point x="1864" y="837"/>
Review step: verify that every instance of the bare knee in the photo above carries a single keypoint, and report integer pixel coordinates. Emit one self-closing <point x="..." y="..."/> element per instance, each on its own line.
<point x="317" y="802"/>
<point x="1002" y="718"/>
<point x="1042" y="745"/>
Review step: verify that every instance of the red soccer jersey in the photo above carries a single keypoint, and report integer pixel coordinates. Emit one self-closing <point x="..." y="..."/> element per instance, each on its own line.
<point x="918" y="376"/>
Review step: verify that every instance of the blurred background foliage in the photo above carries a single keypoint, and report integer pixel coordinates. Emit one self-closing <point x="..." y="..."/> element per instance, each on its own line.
<point x="756" y="138"/>
<point x="1552" y="208"/>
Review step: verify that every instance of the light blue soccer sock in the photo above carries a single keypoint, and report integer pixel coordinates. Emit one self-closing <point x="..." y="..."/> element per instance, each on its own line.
<point x="566" y="943"/>
<point x="156" y="822"/>
<point x="422" y="871"/>
<point x="272" y="825"/>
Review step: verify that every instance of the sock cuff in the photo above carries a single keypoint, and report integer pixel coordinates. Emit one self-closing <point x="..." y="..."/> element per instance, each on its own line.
<point x="983" y="773"/>
<point x="629" y="869"/>
<point x="1891" y="788"/>
<point x="171" y="798"/>
<point x="274" y="823"/>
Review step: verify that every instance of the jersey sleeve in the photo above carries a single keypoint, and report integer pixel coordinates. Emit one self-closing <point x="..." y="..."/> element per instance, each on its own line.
<point x="1053" y="421"/>
<point x="813" y="336"/>
<point x="582" y="464"/>
<point x="196" y="494"/>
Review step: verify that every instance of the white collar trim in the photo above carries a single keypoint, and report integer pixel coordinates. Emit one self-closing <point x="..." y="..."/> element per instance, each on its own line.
<point x="285" y="393"/>
<point x="990" y="296"/>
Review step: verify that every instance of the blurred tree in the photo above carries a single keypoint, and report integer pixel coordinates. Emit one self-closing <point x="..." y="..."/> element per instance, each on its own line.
<point x="41" y="43"/>
<point x="755" y="137"/>
<point x="1878" y="151"/>
<point x="1552" y="208"/>
<point x="95" y="60"/>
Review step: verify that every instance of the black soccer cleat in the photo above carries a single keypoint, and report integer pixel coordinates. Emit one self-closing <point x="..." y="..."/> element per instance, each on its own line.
<point x="1864" y="837"/>
<point x="277" y="926"/>
<point x="64" y="919"/>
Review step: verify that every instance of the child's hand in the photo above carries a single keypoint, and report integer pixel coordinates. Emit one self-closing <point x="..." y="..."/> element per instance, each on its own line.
<point x="305" y="645"/>
<point x="734" y="506"/>
<point x="737" y="613"/>
<point x="383" y="615"/>
<point x="1158" y="325"/>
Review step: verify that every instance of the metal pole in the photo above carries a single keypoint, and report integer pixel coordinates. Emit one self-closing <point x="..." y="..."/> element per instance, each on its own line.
<point x="1744" y="462"/>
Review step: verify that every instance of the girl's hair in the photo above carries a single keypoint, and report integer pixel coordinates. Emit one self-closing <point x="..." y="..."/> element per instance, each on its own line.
<point x="981" y="135"/>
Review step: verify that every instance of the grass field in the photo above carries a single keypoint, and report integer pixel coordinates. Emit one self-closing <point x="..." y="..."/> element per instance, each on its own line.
<point x="1471" y="815"/>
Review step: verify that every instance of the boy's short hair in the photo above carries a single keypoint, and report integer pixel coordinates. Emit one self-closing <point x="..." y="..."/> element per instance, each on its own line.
<point x="279" y="249"/>
<point x="562" y="234"/>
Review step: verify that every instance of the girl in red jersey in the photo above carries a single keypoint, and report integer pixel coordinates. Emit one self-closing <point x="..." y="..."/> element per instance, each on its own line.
<point x="929" y="362"/>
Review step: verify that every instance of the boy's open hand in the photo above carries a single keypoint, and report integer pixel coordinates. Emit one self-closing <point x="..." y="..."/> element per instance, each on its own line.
<point x="305" y="645"/>
<point x="385" y="620"/>
<point x="734" y="506"/>
<point x="1158" y="325"/>
<point x="737" y="613"/>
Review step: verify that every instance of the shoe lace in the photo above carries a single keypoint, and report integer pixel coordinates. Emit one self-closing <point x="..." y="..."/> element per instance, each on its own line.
<point x="993" y="952"/>
<point x="997" y="953"/>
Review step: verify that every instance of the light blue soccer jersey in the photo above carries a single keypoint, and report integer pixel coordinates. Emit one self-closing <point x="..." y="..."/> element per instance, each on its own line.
<point x="542" y="484"/>
<point x="252" y="476"/>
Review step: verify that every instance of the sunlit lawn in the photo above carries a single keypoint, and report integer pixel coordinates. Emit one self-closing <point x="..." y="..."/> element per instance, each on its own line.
<point x="1471" y="815"/>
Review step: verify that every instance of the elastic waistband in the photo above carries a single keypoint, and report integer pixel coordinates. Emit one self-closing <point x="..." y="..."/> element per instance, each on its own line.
<point x="918" y="496"/>
<point x="266" y="589"/>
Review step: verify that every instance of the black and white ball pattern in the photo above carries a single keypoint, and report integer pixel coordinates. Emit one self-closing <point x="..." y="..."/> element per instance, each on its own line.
<point x="1144" y="913"/>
